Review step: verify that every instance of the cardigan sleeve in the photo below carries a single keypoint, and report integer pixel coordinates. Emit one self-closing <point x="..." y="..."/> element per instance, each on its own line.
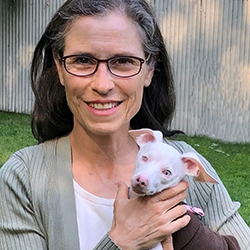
<point x="106" y="244"/>
<point x="221" y="213"/>
<point x="19" y="228"/>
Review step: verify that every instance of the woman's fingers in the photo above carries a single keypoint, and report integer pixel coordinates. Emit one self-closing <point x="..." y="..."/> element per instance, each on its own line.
<point x="122" y="189"/>
<point x="143" y="222"/>
<point x="172" y="192"/>
<point x="175" y="212"/>
<point x="173" y="220"/>
<point x="176" y="224"/>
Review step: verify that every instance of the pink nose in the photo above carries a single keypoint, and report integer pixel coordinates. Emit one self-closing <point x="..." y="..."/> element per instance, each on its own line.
<point x="141" y="181"/>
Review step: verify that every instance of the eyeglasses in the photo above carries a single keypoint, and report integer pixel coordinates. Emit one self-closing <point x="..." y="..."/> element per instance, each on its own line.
<point x="121" y="66"/>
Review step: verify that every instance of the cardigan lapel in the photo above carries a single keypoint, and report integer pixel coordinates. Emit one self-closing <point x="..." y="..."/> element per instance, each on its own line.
<point x="67" y="197"/>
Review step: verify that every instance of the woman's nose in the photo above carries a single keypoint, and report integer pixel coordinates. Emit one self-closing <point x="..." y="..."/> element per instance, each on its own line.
<point x="102" y="80"/>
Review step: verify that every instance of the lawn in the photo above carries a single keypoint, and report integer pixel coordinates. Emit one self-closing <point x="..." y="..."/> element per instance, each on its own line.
<point x="231" y="160"/>
<point x="232" y="163"/>
<point x="15" y="133"/>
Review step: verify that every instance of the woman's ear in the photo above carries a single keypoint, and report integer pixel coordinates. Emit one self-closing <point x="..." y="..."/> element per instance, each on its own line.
<point x="149" y="75"/>
<point x="59" y="67"/>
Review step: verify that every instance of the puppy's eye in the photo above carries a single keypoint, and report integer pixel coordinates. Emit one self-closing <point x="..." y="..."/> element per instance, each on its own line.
<point x="167" y="172"/>
<point x="144" y="158"/>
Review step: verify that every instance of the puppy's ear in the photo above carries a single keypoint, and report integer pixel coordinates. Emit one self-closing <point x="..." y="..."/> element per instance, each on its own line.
<point x="195" y="168"/>
<point x="143" y="136"/>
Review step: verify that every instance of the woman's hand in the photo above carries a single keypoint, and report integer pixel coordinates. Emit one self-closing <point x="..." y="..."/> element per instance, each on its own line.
<point x="142" y="222"/>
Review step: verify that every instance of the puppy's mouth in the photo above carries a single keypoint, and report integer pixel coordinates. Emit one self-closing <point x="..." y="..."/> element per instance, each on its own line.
<point x="138" y="191"/>
<point x="103" y="106"/>
<point x="142" y="191"/>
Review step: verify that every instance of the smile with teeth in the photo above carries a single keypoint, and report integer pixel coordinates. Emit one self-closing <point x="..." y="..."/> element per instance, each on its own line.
<point x="103" y="106"/>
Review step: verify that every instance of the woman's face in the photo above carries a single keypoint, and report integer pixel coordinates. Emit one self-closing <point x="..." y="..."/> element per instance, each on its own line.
<point x="103" y="103"/>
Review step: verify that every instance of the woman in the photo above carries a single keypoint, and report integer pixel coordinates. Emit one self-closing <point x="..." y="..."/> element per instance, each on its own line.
<point x="100" y="69"/>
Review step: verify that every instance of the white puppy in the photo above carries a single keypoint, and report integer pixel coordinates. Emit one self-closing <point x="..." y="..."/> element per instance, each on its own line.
<point x="159" y="166"/>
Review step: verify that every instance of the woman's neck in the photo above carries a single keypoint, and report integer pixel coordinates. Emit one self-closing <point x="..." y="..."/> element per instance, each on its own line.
<point x="103" y="160"/>
<point x="112" y="146"/>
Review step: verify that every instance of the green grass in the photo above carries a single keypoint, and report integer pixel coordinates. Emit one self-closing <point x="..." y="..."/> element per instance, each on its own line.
<point x="15" y="133"/>
<point x="232" y="163"/>
<point x="231" y="160"/>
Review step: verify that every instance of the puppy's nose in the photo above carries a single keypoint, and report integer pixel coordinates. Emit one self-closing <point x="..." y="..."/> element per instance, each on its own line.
<point x="141" y="181"/>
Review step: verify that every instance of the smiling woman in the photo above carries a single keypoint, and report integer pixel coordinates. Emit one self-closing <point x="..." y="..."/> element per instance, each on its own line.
<point x="99" y="70"/>
<point x="107" y="82"/>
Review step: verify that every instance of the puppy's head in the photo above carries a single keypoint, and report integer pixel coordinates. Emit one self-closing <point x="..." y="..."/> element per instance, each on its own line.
<point x="159" y="166"/>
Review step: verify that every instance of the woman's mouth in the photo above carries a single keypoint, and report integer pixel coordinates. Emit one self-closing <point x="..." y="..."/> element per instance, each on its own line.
<point x="103" y="106"/>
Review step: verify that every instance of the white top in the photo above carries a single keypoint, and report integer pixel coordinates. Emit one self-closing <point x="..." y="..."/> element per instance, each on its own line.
<point x="94" y="217"/>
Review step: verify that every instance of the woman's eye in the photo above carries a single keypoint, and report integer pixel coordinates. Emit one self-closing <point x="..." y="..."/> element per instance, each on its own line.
<point x="80" y="60"/>
<point x="83" y="60"/>
<point x="167" y="172"/>
<point x="122" y="61"/>
<point x="144" y="158"/>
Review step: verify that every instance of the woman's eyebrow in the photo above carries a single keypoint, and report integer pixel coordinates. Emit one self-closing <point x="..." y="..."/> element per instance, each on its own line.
<point x="124" y="54"/>
<point x="120" y="54"/>
<point x="80" y="54"/>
